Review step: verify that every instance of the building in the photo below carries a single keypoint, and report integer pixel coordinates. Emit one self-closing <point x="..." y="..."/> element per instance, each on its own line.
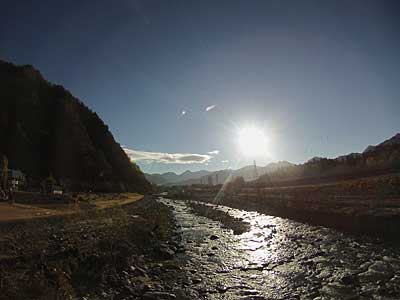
<point x="16" y="179"/>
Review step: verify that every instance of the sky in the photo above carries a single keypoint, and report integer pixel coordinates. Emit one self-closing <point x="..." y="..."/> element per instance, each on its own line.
<point x="176" y="81"/>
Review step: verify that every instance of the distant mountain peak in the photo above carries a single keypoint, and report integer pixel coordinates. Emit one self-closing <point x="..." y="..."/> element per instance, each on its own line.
<point x="315" y="159"/>
<point x="172" y="178"/>
<point x="391" y="141"/>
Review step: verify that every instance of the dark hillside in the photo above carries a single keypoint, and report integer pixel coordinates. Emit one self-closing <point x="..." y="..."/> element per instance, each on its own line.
<point x="45" y="130"/>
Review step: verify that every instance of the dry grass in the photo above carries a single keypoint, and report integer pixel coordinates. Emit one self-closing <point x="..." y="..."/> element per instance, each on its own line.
<point x="121" y="200"/>
<point x="18" y="211"/>
<point x="13" y="212"/>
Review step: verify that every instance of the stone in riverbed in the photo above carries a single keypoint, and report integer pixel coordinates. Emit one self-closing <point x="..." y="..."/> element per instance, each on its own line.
<point x="185" y="294"/>
<point x="338" y="291"/>
<point x="138" y="271"/>
<point x="223" y="271"/>
<point x="172" y="266"/>
<point x="196" y="280"/>
<point x="158" y="296"/>
<point x="381" y="266"/>
<point x="247" y="292"/>
<point x="252" y="268"/>
<point x="348" y="279"/>
<point x="166" y="252"/>
<point x="180" y="249"/>
<point x="378" y="270"/>
<point x="214" y="237"/>
<point x="221" y="288"/>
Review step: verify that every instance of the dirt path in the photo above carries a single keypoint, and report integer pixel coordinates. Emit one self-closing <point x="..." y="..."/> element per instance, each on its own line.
<point x="18" y="211"/>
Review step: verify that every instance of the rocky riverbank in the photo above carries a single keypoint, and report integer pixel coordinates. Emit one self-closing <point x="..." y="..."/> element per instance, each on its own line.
<point x="171" y="249"/>
<point x="118" y="253"/>
<point x="281" y="259"/>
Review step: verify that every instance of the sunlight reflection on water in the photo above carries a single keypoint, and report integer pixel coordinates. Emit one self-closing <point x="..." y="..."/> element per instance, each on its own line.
<point x="256" y="242"/>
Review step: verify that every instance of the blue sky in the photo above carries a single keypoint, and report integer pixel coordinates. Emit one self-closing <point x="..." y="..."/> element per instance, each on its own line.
<point x="320" y="78"/>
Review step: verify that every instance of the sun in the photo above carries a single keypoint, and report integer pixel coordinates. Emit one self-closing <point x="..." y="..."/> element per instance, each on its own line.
<point x="252" y="141"/>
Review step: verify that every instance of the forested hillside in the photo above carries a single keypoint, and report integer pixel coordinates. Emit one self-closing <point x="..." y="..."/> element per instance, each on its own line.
<point x="44" y="130"/>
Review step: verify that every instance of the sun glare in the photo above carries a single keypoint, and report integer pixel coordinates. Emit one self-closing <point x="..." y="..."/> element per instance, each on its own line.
<point x="252" y="141"/>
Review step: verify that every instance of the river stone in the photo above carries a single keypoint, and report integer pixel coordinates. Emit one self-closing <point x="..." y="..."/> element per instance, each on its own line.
<point x="372" y="276"/>
<point x="172" y="266"/>
<point x="214" y="237"/>
<point x="247" y="292"/>
<point x="390" y="259"/>
<point x="336" y="290"/>
<point x="196" y="280"/>
<point x="138" y="271"/>
<point x="166" y="253"/>
<point x="325" y="273"/>
<point x="158" y="296"/>
<point x="349" y="279"/>
<point x="380" y="266"/>
<point x="185" y="294"/>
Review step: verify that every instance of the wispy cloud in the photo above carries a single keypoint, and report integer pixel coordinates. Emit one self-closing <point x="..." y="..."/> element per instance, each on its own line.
<point x="208" y="108"/>
<point x="167" y="158"/>
<point x="214" y="152"/>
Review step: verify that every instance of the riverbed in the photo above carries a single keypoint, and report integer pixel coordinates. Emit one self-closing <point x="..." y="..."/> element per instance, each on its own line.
<point x="278" y="258"/>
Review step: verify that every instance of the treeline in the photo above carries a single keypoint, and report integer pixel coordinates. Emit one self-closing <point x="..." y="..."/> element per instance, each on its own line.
<point x="382" y="160"/>
<point x="44" y="131"/>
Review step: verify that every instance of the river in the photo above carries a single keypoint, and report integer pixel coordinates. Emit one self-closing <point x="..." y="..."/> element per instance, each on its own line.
<point x="280" y="259"/>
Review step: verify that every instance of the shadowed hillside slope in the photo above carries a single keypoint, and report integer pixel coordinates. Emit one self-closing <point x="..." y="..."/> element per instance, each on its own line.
<point x="45" y="130"/>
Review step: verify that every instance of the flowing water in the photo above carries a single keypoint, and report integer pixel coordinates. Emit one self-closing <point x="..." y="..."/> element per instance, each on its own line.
<point x="281" y="259"/>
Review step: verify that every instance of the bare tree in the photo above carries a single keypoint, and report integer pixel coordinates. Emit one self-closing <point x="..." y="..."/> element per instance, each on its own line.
<point x="4" y="172"/>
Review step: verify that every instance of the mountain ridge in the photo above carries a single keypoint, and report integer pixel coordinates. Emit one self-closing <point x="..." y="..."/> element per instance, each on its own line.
<point x="390" y="141"/>
<point x="202" y="176"/>
<point x="374" y="159"/>
<point x="172" y="177"/>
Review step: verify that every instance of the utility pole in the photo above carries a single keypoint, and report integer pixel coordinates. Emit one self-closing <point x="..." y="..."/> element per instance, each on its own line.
<point x="255" y="172"/>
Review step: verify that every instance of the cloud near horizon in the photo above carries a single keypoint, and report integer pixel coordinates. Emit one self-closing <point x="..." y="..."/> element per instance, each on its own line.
<point x="214" y="152"/>
<point x="167" y="158"/>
